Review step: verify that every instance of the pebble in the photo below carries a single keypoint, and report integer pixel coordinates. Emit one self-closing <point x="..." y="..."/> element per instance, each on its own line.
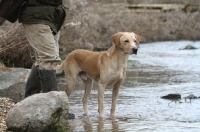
<point x="5" y="105"/>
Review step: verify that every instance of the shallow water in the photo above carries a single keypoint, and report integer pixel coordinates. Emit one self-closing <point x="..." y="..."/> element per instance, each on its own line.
<point x="158" y="69"/>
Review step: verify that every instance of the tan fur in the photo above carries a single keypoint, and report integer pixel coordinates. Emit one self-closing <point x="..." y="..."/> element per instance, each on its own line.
<point x="106" y="68"/>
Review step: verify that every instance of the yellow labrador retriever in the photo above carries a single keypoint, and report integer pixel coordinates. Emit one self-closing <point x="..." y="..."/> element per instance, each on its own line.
<point x="106" y="68"/>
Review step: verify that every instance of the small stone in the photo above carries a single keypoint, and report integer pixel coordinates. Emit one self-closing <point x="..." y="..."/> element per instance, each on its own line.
<point x="191" y="96"/>
<point x="175" y="96"/>
<point x="189" y="47"/>
<point x="71" y="116"/>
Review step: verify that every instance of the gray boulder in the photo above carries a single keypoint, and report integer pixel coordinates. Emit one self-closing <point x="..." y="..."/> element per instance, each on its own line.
<point x="44" y="112"/>
<point x="12" y="82"/>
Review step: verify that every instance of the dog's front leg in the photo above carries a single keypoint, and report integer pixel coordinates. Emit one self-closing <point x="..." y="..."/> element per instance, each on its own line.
<point x="101" y="89"/>
<point x="115" y="94"/>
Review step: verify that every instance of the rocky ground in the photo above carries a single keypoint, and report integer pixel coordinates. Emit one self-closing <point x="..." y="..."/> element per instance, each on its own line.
<point x="5" y="105"/>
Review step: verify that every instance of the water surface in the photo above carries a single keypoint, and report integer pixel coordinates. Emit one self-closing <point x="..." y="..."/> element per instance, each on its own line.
<point x="158" y="69"/>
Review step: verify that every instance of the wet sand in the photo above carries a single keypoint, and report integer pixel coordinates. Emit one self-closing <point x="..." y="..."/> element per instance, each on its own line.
<point x="158" y="69"/>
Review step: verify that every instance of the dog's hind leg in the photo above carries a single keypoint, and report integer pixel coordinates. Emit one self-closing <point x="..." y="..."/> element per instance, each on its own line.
<point x="70" y="83"/>
<point x="88" y="82"/>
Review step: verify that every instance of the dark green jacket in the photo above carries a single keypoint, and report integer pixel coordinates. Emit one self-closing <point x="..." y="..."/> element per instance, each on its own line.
<point x="49" y="12"/>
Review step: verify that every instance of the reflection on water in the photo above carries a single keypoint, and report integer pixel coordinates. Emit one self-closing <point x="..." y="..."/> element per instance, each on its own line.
<point x="100" y="125"/>
<point x="157" y="70"/>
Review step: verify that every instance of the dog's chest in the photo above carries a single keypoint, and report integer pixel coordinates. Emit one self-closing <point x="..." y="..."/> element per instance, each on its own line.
<point x="115" y="76"/>
<point x="114" y="72"/>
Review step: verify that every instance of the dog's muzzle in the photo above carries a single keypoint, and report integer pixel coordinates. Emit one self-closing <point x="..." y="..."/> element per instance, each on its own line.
<point x="134" y="51"/>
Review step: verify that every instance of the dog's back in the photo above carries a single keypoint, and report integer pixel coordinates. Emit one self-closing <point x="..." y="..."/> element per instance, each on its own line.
<point x="84" y="60"/>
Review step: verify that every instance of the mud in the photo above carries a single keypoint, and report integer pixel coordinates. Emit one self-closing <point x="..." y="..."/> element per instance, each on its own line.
<point x="158" y="69"/>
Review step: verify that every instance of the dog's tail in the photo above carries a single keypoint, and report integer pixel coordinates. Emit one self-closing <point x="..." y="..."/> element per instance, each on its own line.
<point x="59" y="69"/>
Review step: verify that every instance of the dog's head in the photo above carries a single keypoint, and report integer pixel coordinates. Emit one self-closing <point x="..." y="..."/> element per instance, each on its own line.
<point x="128" y="42"/>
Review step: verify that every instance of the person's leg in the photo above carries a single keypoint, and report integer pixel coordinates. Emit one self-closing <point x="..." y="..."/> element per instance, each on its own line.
<point x="45" y="45"/>
<point x="46" y="49"/>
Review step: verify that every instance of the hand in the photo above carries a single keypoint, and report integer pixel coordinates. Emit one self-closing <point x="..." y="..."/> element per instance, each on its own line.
<point x="95" y="0"/>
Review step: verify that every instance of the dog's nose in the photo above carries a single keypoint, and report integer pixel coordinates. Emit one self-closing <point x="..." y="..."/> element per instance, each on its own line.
<point x="134" y="51"/>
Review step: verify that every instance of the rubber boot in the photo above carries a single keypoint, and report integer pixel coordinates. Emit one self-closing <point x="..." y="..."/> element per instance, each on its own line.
<point x="33" y="82"/>
<point x="48" y="80"/>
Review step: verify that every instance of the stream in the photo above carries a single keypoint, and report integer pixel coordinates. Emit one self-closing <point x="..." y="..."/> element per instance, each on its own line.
<point x="159" y="69"/>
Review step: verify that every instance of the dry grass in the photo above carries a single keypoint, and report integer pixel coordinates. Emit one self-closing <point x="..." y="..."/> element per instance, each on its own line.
<point x="15" y="50"/>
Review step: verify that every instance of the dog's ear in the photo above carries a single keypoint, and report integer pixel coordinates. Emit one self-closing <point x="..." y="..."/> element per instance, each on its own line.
<point x="137" y="38"/>
<point x="116" y="38"/>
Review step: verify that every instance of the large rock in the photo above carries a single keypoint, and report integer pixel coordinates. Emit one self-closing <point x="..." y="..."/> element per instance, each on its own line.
<point x="12" y="82"/>
<point x="44" y="112"/>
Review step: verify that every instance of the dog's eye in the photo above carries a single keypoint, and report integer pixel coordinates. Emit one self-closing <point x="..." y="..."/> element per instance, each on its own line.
<point x="135" y="41"/>
<point x="126" y="41"/>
